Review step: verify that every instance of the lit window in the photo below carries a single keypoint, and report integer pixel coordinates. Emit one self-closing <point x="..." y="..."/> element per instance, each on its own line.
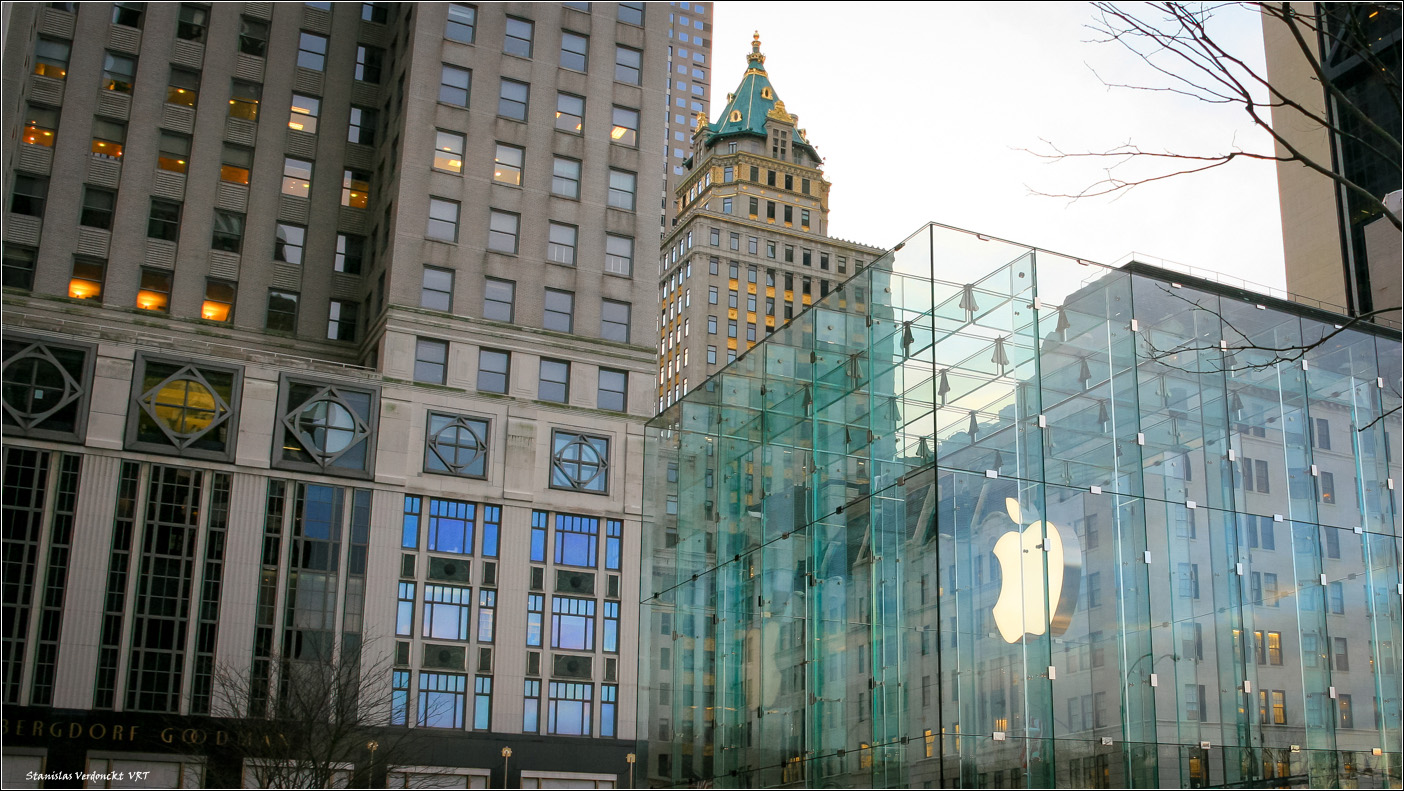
<point x="118" y="73"/>
<point x="430" y="360"/>
<point x="499" y="297"/>
<point x="559" y="311"/>
<point x="575" y="50"/>
<point x="443" y="220"/>
<point x="183" y="409"/>
<point x="518" y="38"/>
<point x="454" y="85"/>
<point x="565" y="178"/>
<point x="507" y="165"/>
<point x="502" y="231"/>
<point x="343" y="321"/>
<point x="305" y="110"/>
<point x="51" y="58"/>
<point x="297" y="177"/>
<point x="492" y="371"/>
<point x="560" y="247"/>
<point x="288" y="243"/>
<point x="155" y="292"/>
<point x="173" y="152"/>
<point x="626" y="127"/>
<point x="628" y="65"/>
<point x="512" y="99"/>
<point x="554" y="381"/>
<point x="244" y="99"/>
<point x="228" y="234"/>
<point x="235" y="163"/>
<point x="622" y="185"/>
<point x="40" y="123"/>
<point x="355" y="188"/>
<point x="282" y="311"/>
<point x="109" y="139"/>
<point x="614" y="321"/>
<point x="462" y="22"/>
<point x="87" y="280"/>
<point x="448" y="152"/>
<point x="619" y="255"/>
<point x="219" y="301"/>
<point x="570" y="113"/>
<point x="312" y="51"/>
<point x="183" y="87"/>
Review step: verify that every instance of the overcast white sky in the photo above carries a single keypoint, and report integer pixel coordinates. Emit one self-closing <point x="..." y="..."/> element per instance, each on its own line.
<point x="921" y="111"/>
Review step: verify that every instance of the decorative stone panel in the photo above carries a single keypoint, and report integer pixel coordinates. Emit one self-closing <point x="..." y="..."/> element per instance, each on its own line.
<point x="93" y="242"/>
<point x="114" y="105"/>
<point x="177" y="118"/>
<point x="160" y="253"/>
<point x="240" y="131"/>
<point x="56" y="23"/>
<point x="188" y="53"/>
<point x="124" y="39"/>
<point x="232" y="197"/>
<point x="104" y="172"/>
<point x="22" y="229"/>
<point x="288" y="276"/>
<point x="224" y="265"/>
<point x="294" y="209"/>
<point x="168" y="185"/>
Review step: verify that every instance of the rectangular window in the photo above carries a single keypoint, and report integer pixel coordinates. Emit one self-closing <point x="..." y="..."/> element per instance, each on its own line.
<point x="565" y="180"/>
<point x="502" y="232"/>
<point x="570" y="113"/>
<point x="531" y="705"/>
<point x="711" y="325"/>
<point x="462" y="23"/>
<point x="282" y="311"/>
<point x="253" y="36"/>
<point x="569" y="708"/>
<point x="628" y="65"/>
<point x="355" y="188"/>
<point x="482" y="701"/>
<point x="507" y="165"/>
<point x="622" y="185"/>
<point x="625" y="131"/>
<point x="305" y="110"/>
<point x="612" y="393"/>
<point x="312" y="51"/>
<point x="1327" y="487"/>
<point x="1341" y="654"/>
<point x="297" y="177"/>
<point x="559" y="311"/>
<point x="109" y="139"/>
<point x="560" y="243"/>
<point x="518" y="39"/>
<point x="361" y="127"/>
<point x="512" y="99"/>
<point x="487" y="615"/>
<point x="448" y="152"/>
<point x="369" y="62"/>
<point x="404" y="609"/>
<point x="492" y="371"/>
<point x="87" y="280"/>
<point x="554" y="381"/>
<point x="572" y="623"/>
<point x="454" y="85"/>
<point x="534" y="620"/>
<point x="575" y="49"/>
<point x="436" y="290"/>
<point x="51" y="58"/>
<point x="614" y="321"/>
<point x="237" y="161"/>
<point x="350" y="250"/>
<point x="342" y="320"/>
<point x="499" y="299"/>
<point x="441" y="700"/>
<point x="228" y="232"/>
<point x="244" y="98"/>
<point x="183" y="87"/>
<point x="443" y="220"/>
<point x="163" y="221"/>
<point x="118" y="73"/>
<point x="155" y="293"/>
<point x="711" y="355"/>
<point x="451" y="530"/>
<point x="631" y="13"/>
<point x="219" y="301"/>
<point x="430" y="360"/>
<point x="29" y="196"/>
<point x="619" y="255"/>
<point x="173" y="153"/>
<point x="579" y="462"/>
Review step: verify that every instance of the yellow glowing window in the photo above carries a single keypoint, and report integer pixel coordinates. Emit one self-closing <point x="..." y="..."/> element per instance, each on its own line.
<point x="117" y="73"/>
<point x="107" y="149"/>
<point x="219" y="301"/>
<point x="233" y="174"/>
<point x="448" y="152"/>
<point x="305" y="110"/>
<point x="87" y="279"/>
<point x="930" y="739"/>
<point x="39" y="126"/>
<point x="244" y="99"/>
<point x="51" y="58"/>
<point x="355" y="189"/>
<point x="180" y="96"/>
<point x="174" y="152"/>
<point x="155" y="293"/>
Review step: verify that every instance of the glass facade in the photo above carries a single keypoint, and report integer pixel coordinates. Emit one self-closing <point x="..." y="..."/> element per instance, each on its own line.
<point x="988" y="516"/>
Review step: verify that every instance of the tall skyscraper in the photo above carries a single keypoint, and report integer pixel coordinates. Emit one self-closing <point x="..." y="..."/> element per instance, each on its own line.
<point x="689" y="90"/>
<point x="751" y="229"/>
<point x="1338" y="248"/>
<point x="325" y="343"/>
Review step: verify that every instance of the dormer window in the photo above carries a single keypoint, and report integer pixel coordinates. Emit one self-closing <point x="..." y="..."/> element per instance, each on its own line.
<point x="735" y="116"/>
<point x="766" y="93"/>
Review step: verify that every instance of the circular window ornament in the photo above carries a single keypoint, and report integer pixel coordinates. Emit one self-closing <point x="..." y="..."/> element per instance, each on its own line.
<point x="327" y="427"/>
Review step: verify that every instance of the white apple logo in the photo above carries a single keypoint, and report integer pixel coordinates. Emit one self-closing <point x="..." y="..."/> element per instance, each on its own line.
<point x="1029" y="604"/>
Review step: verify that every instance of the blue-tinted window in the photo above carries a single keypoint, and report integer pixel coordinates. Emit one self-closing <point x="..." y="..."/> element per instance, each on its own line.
<point x="492" y="523"/>
<point x="538" y="536"/>
<point x="410" y="535"/>
<point x="613" y="540"/>
<point x="577" y="540"/>
<point x="572" y="623"/>
<point x="451" y="526"/>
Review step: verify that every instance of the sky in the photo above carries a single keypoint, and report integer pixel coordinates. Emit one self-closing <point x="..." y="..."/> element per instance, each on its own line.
<point x="926" y="111"/>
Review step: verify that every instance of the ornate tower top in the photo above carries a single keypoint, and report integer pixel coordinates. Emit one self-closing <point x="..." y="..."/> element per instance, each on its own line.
<point x="752" y="104"/>
<point x="755" y="61"/>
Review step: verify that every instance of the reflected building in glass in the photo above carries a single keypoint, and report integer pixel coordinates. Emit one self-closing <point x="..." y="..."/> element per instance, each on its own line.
<point x="989" y="516"/>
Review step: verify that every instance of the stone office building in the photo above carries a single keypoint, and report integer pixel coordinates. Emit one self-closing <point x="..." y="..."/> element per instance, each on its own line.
<point x="325" y="347"/>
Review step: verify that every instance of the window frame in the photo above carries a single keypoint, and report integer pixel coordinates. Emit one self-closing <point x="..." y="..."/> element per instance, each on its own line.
<point x="507" y="106"/>
<point x="558" y="367"/>
<point x="548" y="311"/>
<point x="505" y="373"/>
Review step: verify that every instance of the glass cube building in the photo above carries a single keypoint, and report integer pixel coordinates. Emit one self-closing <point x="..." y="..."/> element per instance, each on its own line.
<point x="990" y="516"/>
